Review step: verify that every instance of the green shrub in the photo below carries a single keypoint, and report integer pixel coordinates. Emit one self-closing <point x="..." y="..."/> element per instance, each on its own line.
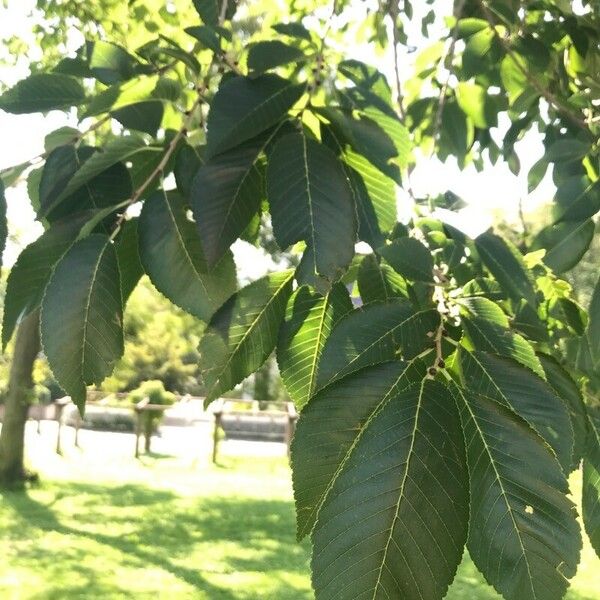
<point x="154" y="390"/>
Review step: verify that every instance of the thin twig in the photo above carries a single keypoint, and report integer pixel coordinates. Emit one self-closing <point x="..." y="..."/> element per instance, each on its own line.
<point x="160" y="167"/>
<point x="393" y="12"/>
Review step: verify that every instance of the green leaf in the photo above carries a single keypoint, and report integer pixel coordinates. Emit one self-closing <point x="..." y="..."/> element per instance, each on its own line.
<point x="244" y="107"/>
<point x="565" y="243"/>
<point x="42" y="92"/>
<point x="488" y="329"/>
<point x="523" y="533"/>
<point x="136" y="90"/>
<point x="29" y="275"/>
<point x="210" y="10"/>
<point x="568" y="391"/>
<point x="3" y="222"/>
<point x="243" y="333"/>
<point x="293" y="29"/>
<point x="506" y="264"/>
<point x="226" y="193"/>
<point x="113" y="152"/>
<point x="577" y="199"/>
<point x="142" y="116"/>
<point x="130" y="267"/>
<point x="187" y="164"/>
<point x="593" y="327"/>
<point x="374" y="193"/>
<point x="344" y="407"/>
<point x="394" y="521"/>
<point x="379" y="282"/>
<point x="311" y="200"/>
<point x="372" y="334"/>
<point x="266" y="55"/>
<point x="365" y="137"/>
<point x="591" y="482"/>
<point x="206" y="35"/>
<point x="567" y="150"/>
<point x="110" y="63"/>
<point x="409" y="257"/>
<point x="106" y="188"/>
<point x="60" y="137"/>
<point x="82" y="315"/>
<point x="536" y="174"/>
<point x="505" y="381"/>
<point x="476" y="104"/>
<point x="309" y="321"/>
<point x="171" y="253"/>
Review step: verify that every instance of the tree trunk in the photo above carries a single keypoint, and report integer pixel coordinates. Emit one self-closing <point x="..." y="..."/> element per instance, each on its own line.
<point x="18" y="399"/>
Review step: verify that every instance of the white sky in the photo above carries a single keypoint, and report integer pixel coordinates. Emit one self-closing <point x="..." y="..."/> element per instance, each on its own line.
<point x="492" y="194"/>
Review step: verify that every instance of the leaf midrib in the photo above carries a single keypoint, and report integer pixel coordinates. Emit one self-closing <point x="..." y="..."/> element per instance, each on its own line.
<point x="504" y="494"/>
<point x="378" y="408"/>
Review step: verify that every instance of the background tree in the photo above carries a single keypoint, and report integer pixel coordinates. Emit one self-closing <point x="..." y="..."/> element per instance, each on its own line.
<point x="448" y="385"/>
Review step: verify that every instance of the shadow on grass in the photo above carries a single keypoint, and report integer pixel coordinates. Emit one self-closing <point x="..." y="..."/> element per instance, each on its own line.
<point x="161" y="535"/>
<point x="106" y="536"/>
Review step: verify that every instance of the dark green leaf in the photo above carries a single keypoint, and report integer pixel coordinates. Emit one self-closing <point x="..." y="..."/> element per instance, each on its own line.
<point x="210" y="10"/>
<point x="311" y="200"/>
<point x="565" y="243"/>
<point x="113" y="152"/>
<point x="107" y="187"/>
<point x="523" y="533"/>
<point x="394" y="521"/>
<point x="171" y="253"/>
<point x="372" y="334"/>
<point x="226" y="193"/>
<point x="130" y="267"/>
<point x="60" y="137"/>
<point x="82" y="315"/>
<point x="42" y="92"/>
<point x="109" y="63"/>
<point x="263" y="56"/>
<point x="345" y="407"/>
<point x="309" y="321"/>
<point x="187" y="165"/>
<point x="591" y="481"/>
<point x="296" y="30"/>
<point x="409" y="257"/>
<point x="206" y="35"/>
<point x="244" y="107"/>
<point x="506" y="264"/>
<point x="243" y="333"/>
<point x="488" y="329"/>
<point x="3" y="222"/>
<point x="29" y="275"/>
<point x="134" y="91"/>
<point x="593" y="328"/>
<point x="566" y="150"/>
<point x="379" y="282"/>
<point x="142" y="116"/>
<point x="568" y="391"/>
<point x="505" y="381"/>
<point x="577" y="199"/>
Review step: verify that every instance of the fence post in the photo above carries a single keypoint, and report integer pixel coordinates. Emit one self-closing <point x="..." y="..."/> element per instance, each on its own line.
<point x="59" y="406"/>
<point x="218" y="413"/>
<point x="290" y="425"/>
<point x="77" y="426"/>
<point x="138" y="408"/>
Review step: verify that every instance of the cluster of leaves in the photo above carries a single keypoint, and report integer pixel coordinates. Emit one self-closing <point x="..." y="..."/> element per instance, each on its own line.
<point x="438" y="406"/>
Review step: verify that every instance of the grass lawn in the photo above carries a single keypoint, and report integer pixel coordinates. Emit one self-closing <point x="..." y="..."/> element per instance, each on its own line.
<point x="165" y="528"/>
